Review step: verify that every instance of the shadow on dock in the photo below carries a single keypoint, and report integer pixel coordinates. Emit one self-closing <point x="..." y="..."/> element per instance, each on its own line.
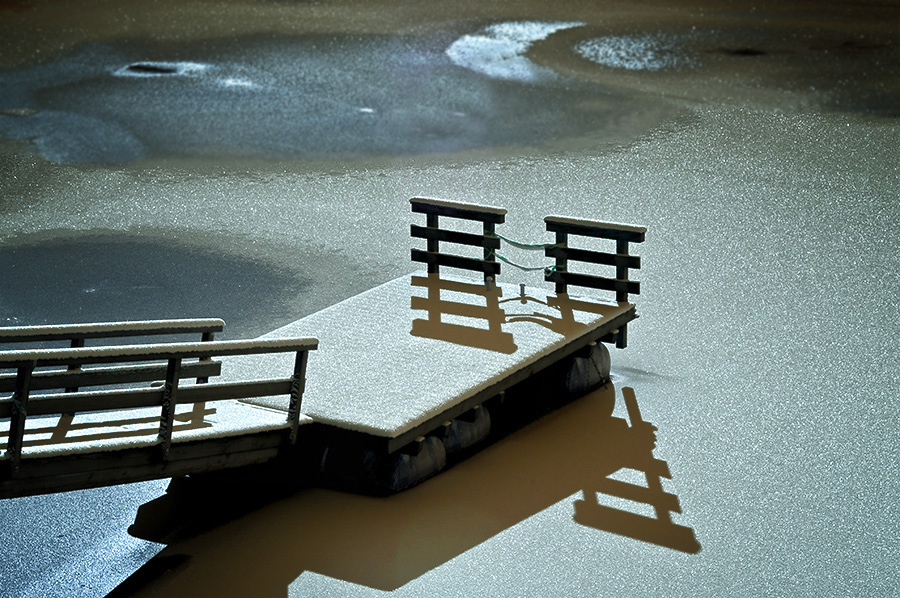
<point x="474" y="315"/>
<point x="231" y="537"/>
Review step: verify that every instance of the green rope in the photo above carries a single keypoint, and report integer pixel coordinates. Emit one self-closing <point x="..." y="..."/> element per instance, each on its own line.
<point x="547" y="269"/>
<point x="529" y="246"/>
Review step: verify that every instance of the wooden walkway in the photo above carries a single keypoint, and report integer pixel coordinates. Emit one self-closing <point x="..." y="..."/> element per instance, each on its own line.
<point x="83" y="437"/>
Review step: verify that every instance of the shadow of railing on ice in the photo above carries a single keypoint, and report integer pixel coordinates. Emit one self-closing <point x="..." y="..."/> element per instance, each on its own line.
<point x="240" y="545"/>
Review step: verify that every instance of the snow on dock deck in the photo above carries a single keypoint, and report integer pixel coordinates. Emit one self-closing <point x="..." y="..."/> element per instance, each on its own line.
<point x="55" y="435"/>
<point x="402" y="353"/>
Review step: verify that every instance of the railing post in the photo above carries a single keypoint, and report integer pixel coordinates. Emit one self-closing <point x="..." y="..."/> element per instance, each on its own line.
<point x="199" y="408"/>
<point x="19" y="414"/>
<point x="169" y="402"/>
<point x="77" y="343"/>
<point x="489" y="230"/>
<point x="621" y="270"/>
<point x="298" y="382"/>
<point x="431" y="221"/>
<point x="562" y="261"/>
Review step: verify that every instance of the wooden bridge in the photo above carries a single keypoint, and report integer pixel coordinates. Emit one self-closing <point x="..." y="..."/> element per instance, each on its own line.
<point x="126" y="433"/>
<point x="404" y="376"/>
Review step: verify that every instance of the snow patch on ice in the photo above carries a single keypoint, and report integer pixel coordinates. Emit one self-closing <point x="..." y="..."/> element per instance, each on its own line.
<point x="498" y="50"/>
<point x="634" y="52"/>
<point x="234" y="82"/>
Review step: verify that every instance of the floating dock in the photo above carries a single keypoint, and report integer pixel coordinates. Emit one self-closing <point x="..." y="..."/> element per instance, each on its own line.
<point x="378" y="391"/>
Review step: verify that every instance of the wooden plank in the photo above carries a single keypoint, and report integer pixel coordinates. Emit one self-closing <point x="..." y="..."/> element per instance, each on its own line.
<point x="10" y="334"/>
<point x="595" y="282"/>
<point x="452" y="236"/>
<point x="453" y="209"/>
<point x="42" y="476"/>
<point x="593" y="228"/>
<point x="164" y="469"/>
<point x="150" y="352"/>
<point x="43" y="380"/>
<point x="36" y="466"/>
<point x="594" y="257"/>
<point x="135" y="398"/>
<point x="455" y="261"/>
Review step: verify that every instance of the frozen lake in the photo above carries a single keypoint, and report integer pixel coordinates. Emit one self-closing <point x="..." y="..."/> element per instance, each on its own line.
<point x="759" y="148"/>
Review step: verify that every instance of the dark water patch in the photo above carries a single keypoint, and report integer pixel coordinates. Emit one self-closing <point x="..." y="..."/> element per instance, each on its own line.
<point x="743" y="51"/>
<point x="152" y="68"/>
<point x="91" y="277"/>
<point x="288" y="97"/>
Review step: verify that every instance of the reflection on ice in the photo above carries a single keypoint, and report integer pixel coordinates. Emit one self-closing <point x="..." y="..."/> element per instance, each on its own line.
<point x="498" y="51"/>
<point x="634" y="52"/>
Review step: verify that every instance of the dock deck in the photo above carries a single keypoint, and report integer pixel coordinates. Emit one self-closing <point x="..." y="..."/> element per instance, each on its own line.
<point x="396" y="361"/>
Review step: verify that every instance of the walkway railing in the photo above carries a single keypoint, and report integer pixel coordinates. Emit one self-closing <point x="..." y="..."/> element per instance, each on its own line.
<point x="21" y="404"/>
<point x="623" y="234"/>
<point x="434" y="257"/>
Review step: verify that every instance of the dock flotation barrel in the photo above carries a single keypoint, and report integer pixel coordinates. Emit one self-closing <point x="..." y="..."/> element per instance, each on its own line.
<point x="590" y="371"/>
<point x="466" y="431"/>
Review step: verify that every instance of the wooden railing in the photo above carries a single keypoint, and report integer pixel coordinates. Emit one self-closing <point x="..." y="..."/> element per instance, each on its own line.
<point x="21" y="405"/>
<point x="622" y="234"/>
<point x="434" y="257"/>
<point x="76" y="334"/>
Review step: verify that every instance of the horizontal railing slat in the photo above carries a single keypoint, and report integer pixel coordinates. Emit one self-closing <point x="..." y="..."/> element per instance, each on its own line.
<point x="595" y="282"/>
<point x="116" y="400"/>
<point x="109" y="375"/>
<point x="592" y="228"/>
<point x="10" y="334"/>
<point x="149" y="352"/>
<point x="455" y="261"/>
<point x="594" y="257"/>
<point x="452" y="236"/>
<point x="454" y="209"/>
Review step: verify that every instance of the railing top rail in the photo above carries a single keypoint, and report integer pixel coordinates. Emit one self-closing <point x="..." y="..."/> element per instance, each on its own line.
<point x="594" y="228"/>
<point x="468" y="211"/>
<point x="149" y="352"/>
<point x="52" y="332"/>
